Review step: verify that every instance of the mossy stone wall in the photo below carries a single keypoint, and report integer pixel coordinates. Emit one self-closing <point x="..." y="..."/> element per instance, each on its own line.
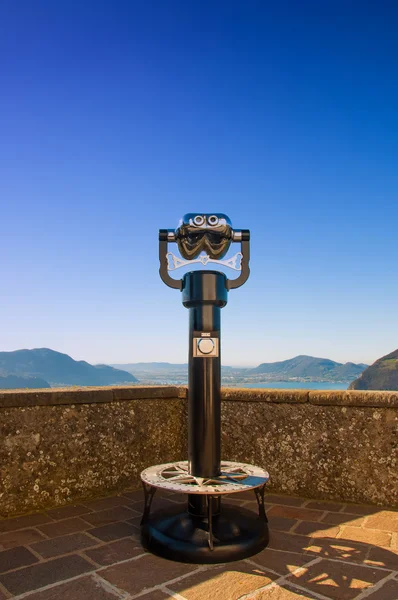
<point x="60" y="446"/>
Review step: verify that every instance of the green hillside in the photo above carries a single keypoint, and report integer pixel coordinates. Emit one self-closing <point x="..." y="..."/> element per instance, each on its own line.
<point x="312" y="368"/>
<point x="382" y="375"/>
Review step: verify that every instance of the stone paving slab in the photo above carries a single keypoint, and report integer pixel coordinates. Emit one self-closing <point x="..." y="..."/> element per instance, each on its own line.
<point x="388" y="591"/>
<point x="22" y="537"/>
<point x="45" y="573"/>
<point x="92" y="551"/>
<point x="64" y="544"/>
<point x="146" y="571"/>
<point x="83" y="588"/>
<point x="64" y="527"/>
<point x="224" y="582"/>
<point x="15" y="558"/>
<point x="336" y="579"/>
<point x="285" y="592"/>
<point x="115" y="531"/>
<point x="115" y="552"/>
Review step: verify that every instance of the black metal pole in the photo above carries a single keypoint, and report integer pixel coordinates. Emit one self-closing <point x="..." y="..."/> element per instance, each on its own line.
<point x="204" y="416"/>
<point x="204" y="293"/>
<point x="206" y="532"/>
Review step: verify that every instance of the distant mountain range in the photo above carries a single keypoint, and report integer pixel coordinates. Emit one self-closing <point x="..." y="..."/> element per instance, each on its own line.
<point x="156" y="367"/>
<point x="301" y="367"/>
<point x="56" y="369"/>
<point x="310" y="367"/>
<point x="43" y="367"/>
<point x="12" y="382"/>
<point x="151" y="367"/>
<point x="382" y="375"/>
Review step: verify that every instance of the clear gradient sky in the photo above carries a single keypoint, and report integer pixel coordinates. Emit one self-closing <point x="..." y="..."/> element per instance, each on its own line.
<point x="117" y="117"/>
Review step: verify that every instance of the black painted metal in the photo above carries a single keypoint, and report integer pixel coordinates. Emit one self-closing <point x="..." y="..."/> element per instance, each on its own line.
<point x="163" y="272"/>
<point x="204" y="293"/>
<point x="205" y="533"/>
<point x="149" y="493"/>
<point x="235" y="533"/>
<point x="244" y="275"/>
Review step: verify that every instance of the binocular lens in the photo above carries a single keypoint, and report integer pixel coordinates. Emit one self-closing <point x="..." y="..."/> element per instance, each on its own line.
<point x="199" y="220"/>
<point x="213" y="220"/>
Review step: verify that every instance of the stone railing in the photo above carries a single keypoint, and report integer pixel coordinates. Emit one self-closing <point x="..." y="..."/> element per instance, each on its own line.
<point x="62" y="445"/>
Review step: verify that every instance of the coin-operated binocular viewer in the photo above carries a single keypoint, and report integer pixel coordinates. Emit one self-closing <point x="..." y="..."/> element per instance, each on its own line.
<point x="206" y="531"/>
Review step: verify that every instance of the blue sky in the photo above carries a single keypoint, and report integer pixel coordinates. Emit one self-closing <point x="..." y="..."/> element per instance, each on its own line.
<point x="116" y="118"/>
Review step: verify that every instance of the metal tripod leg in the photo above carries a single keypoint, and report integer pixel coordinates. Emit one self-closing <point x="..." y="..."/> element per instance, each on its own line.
<point x="210" y="521"/>
<point x="149" y="492"/>
<point x="260" y="501"/>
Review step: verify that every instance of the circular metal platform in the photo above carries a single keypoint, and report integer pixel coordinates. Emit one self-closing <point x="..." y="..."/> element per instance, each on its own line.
<point x="234" y="477"/>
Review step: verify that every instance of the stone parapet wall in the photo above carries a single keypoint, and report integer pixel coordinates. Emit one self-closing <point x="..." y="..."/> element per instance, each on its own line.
<point x="330" y="445"/>
<point x="59" y="446"/>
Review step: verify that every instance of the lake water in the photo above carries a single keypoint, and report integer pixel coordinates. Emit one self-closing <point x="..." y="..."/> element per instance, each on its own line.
<point x="298" y="385"/>
<point x="279" y="385"/>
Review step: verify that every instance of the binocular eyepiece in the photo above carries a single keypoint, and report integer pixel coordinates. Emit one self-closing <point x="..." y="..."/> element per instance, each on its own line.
<point x="211" y="233"/>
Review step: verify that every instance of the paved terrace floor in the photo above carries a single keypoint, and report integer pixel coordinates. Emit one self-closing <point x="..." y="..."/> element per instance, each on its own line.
<point x="318" y="550"/>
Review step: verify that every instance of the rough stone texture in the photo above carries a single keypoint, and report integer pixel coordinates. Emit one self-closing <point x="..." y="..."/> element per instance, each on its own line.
<point x="224" y="582"/>
<point x="263" y="395"/>
<point x="331" y="452"/>
<point x="86" y="395"/>
<point x="53" y="455"/>
<point x="323" y="577"/>
<point x="335" y="397"/>
<point x="131" y="576"/>
<point x="306" y="560"/>
<point x="84" y="588"/>
<point x="42" y="574"/>
<point x="354" y="398"/>
<point x="82" y="443"/>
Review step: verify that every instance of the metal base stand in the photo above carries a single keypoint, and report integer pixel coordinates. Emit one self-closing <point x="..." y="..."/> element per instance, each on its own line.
<point x="206" y="532"/>
<point x="234" y="534"/>
<point x="221" y="533"/>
